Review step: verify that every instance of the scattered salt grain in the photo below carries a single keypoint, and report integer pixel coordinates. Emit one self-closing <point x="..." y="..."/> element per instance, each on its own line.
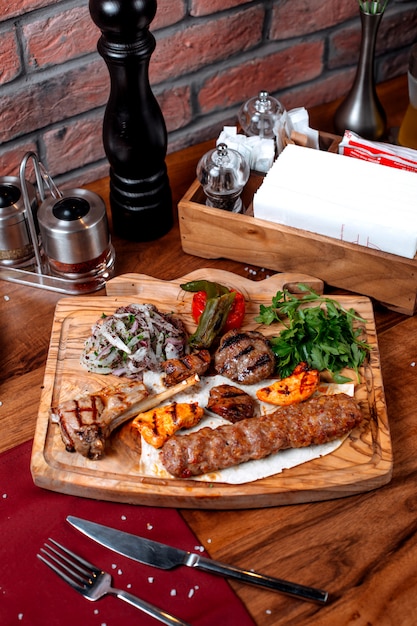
<point x="149" y="526"/>
<point x="120" y="572"/>
<point x="4" y="495"/>
<point x="129" y="586"/>
<point x="268" y="612"/>
<point x="113" y="565"/>
<point x="7" y="298"/>
<point x="123" y="517"/>
<point x="173" y="592"/>
<point x="208" y="540"/>
<point x="20" y="616"/>
<point x="191" y="593"/>
<point x="199" y="548"/>
<point x="96" y="611"/>
<point x="150" y="579"/>
<point x="413" y="364"/>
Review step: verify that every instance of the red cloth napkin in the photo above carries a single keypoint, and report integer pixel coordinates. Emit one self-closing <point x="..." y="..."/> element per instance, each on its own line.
<point x="31" y="594"/>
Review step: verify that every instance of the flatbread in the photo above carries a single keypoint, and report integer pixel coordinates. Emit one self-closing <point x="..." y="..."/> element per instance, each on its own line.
<point x="150" y="463"/>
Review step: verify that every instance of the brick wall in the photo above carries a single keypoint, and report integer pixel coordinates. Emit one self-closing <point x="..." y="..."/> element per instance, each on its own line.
<point x="211" y="55"/>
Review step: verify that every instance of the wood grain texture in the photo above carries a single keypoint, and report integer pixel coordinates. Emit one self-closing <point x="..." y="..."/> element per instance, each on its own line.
<point x="363" y="462"/>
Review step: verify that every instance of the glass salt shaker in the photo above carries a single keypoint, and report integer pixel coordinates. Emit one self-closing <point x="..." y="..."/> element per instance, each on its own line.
<point x="259" y="115"/>
<point x="223" y="173"/>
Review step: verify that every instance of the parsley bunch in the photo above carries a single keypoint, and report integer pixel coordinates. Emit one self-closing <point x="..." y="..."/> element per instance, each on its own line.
<point x="322" y="336"/>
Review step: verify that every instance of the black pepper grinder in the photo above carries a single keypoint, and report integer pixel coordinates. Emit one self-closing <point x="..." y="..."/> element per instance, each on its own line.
<point x="134" y="131"/>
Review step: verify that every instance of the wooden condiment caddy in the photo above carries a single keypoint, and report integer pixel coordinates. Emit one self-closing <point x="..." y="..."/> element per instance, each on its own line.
<point x="212" y="233"/>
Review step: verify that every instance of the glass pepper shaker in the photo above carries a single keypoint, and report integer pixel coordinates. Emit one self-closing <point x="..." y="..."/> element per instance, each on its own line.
<point x="223" y="173"/>
<point x="258" y="115"/>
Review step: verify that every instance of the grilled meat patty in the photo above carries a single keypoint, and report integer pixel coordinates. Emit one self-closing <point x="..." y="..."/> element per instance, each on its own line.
<point x="177" y="370"/>
<point x="315" y="421"/>
<point x="244" y="356"/>
<point x="231" y="403"/>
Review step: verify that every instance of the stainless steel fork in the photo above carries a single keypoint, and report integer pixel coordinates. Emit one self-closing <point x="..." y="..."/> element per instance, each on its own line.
<point x="93" y="583"/>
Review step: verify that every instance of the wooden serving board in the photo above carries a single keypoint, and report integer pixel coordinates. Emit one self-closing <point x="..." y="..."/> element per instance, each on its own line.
<point x="363" y="462"/>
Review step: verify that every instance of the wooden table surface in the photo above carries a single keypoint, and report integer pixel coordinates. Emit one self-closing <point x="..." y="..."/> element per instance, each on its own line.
<point x="362" y="549"/>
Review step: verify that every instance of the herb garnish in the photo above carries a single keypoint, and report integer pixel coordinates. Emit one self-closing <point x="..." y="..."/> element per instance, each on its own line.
<point x="322" y="336"/>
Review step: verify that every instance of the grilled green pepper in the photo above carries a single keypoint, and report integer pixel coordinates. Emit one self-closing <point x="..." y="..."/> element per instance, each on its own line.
<point x="213" y="290"/>
<point x="212" y="320"/>
<point x="216" y="310"/>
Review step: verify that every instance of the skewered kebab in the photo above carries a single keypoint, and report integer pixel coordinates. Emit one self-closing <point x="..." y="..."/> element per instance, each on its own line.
<point x="315" y="421"/>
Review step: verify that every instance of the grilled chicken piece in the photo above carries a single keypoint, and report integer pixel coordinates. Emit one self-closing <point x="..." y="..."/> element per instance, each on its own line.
<point x="297" y="387"/>
<point x="87" y="422"/>
<point x="177" y="370"/>
<point x="231" y="403"/>
<point x="245" y="357"/>
<point x="158" y="425"/>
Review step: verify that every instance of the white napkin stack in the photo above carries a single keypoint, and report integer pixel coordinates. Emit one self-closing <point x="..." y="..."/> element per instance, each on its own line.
<point x="258" y="152"/>
<point x="348" y="199"/>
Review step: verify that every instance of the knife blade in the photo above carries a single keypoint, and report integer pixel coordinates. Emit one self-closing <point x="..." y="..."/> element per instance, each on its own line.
<point x="167" y="557"/>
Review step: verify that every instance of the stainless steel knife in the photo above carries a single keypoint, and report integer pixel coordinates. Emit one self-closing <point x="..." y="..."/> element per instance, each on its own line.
<point x="166" y="557"/>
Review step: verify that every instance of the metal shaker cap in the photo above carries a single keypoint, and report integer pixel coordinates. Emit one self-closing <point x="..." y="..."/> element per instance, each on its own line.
<point x="74" y="228"/>
<point x="15" y="242"/>
<point x="12" y="205"/>
<point x="10" y="194"/>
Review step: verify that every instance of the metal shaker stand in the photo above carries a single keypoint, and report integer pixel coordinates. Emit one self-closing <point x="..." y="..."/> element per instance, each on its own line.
<point x="38" y="273"/>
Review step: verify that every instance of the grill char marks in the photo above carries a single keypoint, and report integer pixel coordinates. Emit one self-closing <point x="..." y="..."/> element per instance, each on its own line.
<point x="231" y="403"/>
<point x="86" y="422"/>
<point x="79" y="426"/>
<point x="245" y="357"/>
<point x="158" y="424"/>
<point x="177" y="370"/>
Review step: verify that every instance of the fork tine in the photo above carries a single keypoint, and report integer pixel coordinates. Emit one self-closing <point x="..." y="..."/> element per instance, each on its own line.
<point x="77" y="561"/>
<point x="76" y="572"/>
<point x="59" y="571"/>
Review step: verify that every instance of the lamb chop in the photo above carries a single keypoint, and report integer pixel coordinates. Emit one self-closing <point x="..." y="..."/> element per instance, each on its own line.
<point x="86" y="422"/>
